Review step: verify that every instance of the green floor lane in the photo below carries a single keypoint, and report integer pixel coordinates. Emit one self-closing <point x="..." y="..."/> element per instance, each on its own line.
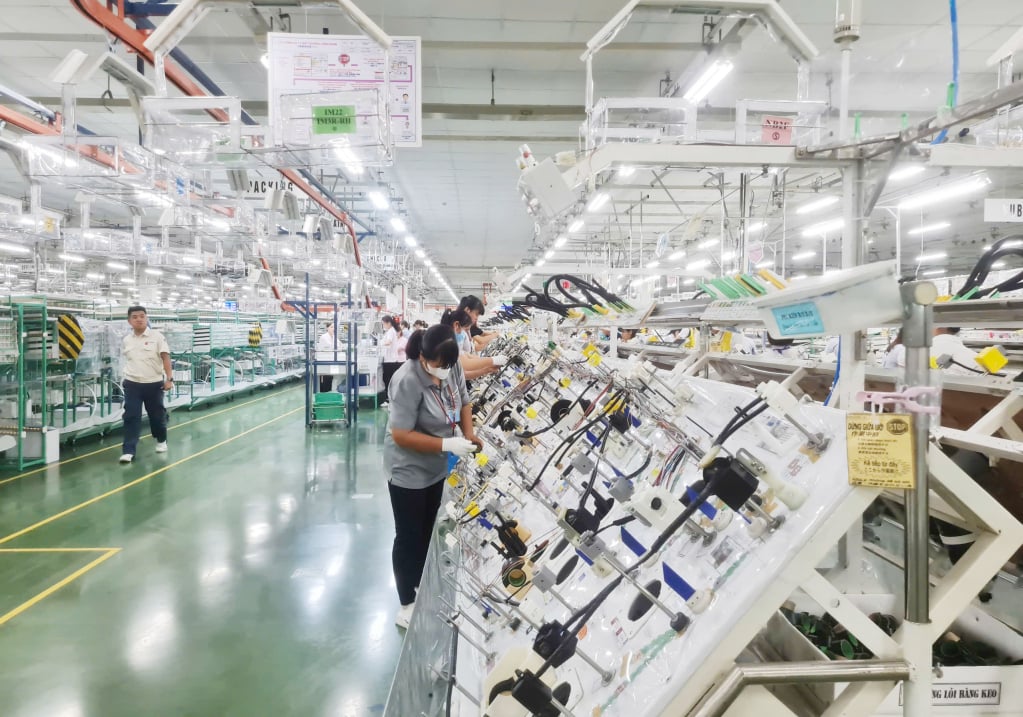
<point x="253" y="579"/>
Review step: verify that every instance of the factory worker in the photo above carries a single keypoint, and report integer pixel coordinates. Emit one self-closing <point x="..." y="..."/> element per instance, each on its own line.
<point x="473" y="306"/>
<point x="895" y="356"/>
<point x="952" y="355"/>
<point x="147" y="374"/>
<point x="430" y="416"/>
<point x="474" y="366"/>
<point x="627" y="336"/>
<point x="326" y="346"/>
<point x="403" y="334"/>
<point x="389" y="355"/>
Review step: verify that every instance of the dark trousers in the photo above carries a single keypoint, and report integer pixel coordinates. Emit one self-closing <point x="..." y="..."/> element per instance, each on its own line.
<point x="415" y="510"/>
<point x="326" y="384"/>
<point x="389" y="370"/>
<point x="135" y="396"/>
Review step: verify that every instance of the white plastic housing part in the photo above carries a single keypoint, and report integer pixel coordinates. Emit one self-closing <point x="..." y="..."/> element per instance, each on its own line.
<point x="700" y="600"/>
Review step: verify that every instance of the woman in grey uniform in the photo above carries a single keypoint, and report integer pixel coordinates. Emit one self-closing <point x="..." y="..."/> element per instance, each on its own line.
<point x="430" y="417"/>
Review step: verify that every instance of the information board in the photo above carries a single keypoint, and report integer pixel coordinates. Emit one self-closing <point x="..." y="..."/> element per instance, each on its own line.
<point x="308" y="64"/>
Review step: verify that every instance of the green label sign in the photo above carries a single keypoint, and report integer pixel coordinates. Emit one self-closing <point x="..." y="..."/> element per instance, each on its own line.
<point x="339" y="119"/>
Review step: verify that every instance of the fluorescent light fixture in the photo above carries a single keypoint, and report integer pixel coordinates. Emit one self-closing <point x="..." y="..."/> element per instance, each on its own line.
<point x="817" y="205"/>
<point x="548" y="255"/>
<point x="188" y="259"/>
<point x="352" y="163"/>
<point x="287" y="252"/>
<point x="626" y="171"/>
<point x="708" y="244"/>
<point x="688" y="282"/>
<point x="576" y="226"/>
<point x="560" y="241"/>
<point x="728" y="256"/>
<point x="427" y="262"/>
<point x="154" y="272"/>
<point x="906" y="172"/>
<point x="420" y="253"/>
<point x="797" y="277"/>
<point x="756" y="226"/>
<point x="653" y="264"/>
<point x="828" y="227"/>
<point x="378" y="199"/>
<point x="929" y="228"/>
<point x="410" y="241"/>
<point x="933" y="256"/>
<point x="950" y="191"/>
<point x="675" y="256"/>
<point x="710" y="79"/>
<point x="697" y="265"/>
<point x="804" y="255"/>
<point x="184" y="277"/>
<point x="597" y="202"/>
<point x="932" y="272"/>
<point x="541" y="262"/>
<point x="54" y="270"/>
<point x="117" y="266"/>
<point x="73" y="258"/>
<point x="127" y="280"/>
<point x="93" y="276"/>
<point x="208" y="282"/>
<point x="398" y="224"/>
<point x="14" y="248"/>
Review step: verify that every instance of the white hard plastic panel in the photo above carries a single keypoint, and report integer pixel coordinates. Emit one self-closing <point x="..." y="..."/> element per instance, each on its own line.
<point x="650" y="662"/>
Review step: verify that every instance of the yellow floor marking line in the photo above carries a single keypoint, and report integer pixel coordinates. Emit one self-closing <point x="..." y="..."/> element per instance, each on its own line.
<point x="142" y="438"/>
<point x="144" y="478"/>
<point x="111" y="552"/>
<point x="56" y="550"/>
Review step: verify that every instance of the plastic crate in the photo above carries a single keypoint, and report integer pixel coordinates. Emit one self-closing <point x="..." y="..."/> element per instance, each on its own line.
<point x="329" y="413"/>
<point x="329" y="399"/>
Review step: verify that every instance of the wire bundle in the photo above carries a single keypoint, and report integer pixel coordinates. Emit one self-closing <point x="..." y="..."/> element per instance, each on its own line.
<point x="974" y="286"/>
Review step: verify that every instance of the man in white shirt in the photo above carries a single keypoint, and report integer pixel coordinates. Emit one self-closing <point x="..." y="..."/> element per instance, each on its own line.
<point x="146" y="375"/>
<point x="947" y="343"/>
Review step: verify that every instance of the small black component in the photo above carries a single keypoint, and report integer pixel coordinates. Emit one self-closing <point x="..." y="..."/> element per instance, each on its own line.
<point x="602" y="506"/>
<point x="656" y="503"/>
<point x="560" y="409"/>
<point x="732" y="482"/>
<point x="619" y="421"/>
<point x="680" y="622"/>
<point x="582" y="520"/>
<point x="555" y="643"/>
<point x="642" y="604"/>
<point x="532" y="693"/>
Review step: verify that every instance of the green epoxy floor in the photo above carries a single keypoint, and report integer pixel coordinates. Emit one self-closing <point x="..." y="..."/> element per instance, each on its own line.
<point x="252" y="580"/>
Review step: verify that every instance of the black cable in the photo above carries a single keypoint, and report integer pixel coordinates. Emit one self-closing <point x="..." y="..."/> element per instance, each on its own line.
<point x="983" y="268"/>
<point x="596" y="465"/>
<point x="583" y="614"/>
<point x="574" y="436"/>
<point x="740" y="419"/>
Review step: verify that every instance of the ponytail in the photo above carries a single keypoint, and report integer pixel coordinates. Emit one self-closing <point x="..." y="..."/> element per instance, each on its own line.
<point x="414" y="347"/>
<point x="456" y="316"/>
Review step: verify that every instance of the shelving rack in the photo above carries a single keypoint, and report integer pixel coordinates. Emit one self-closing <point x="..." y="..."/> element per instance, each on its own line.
<point x="24" y="432"/>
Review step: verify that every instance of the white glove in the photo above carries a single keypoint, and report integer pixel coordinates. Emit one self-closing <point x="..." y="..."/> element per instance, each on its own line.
<point x="499" y="360"/>
<point x="461" y="447"/>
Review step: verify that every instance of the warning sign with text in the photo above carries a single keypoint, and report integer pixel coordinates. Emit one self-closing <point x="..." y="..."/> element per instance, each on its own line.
<point x="776" y="130"/>
<point x="880" y="450"/>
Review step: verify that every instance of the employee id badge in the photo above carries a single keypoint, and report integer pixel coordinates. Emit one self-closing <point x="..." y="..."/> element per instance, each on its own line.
<point x="452" y="417"/>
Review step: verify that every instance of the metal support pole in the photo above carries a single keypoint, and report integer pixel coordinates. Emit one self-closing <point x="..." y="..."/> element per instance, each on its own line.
<point x="854" y="367"/>
<point x="917" y="329"/>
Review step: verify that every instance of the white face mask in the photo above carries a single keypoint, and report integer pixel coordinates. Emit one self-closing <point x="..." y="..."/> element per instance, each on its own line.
<point x="441" y="373"/>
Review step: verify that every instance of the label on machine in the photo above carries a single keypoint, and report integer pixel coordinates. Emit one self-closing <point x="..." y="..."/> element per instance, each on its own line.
<point x="880" y="450"/>
<point x="798" y="319"/>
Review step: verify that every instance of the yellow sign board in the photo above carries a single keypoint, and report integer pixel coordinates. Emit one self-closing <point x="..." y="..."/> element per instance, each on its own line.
<point x="880" y="450"/>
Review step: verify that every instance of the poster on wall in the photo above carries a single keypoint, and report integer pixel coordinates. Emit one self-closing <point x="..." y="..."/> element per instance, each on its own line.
<point x="303" y="64"/>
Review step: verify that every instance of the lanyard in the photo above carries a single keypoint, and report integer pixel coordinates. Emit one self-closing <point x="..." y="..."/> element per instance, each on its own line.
<point x="448" y="413"/>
